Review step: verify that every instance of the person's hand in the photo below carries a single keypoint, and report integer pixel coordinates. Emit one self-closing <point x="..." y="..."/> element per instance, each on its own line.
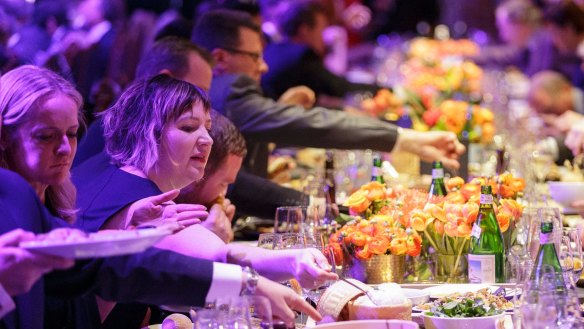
<point x="311" y="268"/>
<point x="561" y="124"/>
<point x="219" y="223"/>
<point x="284" y="300"/>
<point x="229" y="209"/>
<point x="431" y="146"/>
<point x="159" y="209"/>
<point x="575" y="138"/>
<point x="299" y="95"/>
<point x="20" y="268"/>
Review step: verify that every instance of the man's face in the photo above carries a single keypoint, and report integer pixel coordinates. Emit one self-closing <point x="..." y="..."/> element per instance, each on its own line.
<point x="564" y="38"/>
<point x="313" y="35"/>
<point x="206" y="191"/>
<point x="545" y="104"/>
<point x="247" y="57"/>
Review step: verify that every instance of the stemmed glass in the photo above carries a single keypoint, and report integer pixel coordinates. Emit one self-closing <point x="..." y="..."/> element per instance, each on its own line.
<point x="573" y="242"/>
<point x="566" y="261"/>
<point x="317" y="241"/>
<point x="289" y="219"/>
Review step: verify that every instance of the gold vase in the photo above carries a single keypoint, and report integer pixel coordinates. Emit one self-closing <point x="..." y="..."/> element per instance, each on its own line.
<point x="378" y="269"/>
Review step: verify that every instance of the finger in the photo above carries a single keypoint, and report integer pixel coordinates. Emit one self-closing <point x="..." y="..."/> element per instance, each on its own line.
<point x="14" y="237"/>
<point x="192" y="215"/>
<point x="450" y="163"/>
<point x="188" y="207"/>
<point x="164" y="197"/>
<point x="578" y="204"/>
<point x="301" y="305"/>
<point x="188" y="222"/>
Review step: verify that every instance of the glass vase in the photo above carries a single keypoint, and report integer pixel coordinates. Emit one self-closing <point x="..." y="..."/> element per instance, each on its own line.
<point x="451" y="268"/>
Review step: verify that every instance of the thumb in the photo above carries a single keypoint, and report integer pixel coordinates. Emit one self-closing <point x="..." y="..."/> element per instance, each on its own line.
<point x="14" y="237"/>
<point x="164" y="197"/>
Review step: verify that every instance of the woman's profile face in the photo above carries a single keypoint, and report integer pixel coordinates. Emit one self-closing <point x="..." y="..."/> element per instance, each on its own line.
<point x="43" y="147"/>
<point x="184" y="148"/>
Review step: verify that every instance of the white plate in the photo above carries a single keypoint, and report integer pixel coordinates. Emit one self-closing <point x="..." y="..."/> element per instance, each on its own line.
<point x="104" y="244"/>
<point x="448" y="289"/>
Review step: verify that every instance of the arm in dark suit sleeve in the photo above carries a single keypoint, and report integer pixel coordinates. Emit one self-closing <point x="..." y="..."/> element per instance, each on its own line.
<point x="257" y="196"/>
<point x="564" y="153"/>
<point x="323" y="81"/>
<point x="154" y="276"/>
<point x="261" y="119"/>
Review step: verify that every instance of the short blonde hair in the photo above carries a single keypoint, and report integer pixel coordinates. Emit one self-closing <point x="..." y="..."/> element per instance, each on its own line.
<point x="133" y="125"/>
<point x="23" y="90"/>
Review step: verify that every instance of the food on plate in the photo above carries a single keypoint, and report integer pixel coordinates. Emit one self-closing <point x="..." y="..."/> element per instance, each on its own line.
<point x="63" y="235"/>
<point x="470" y="304"/>
<point x="177" y="321"/>
<point x="386" y="302"/>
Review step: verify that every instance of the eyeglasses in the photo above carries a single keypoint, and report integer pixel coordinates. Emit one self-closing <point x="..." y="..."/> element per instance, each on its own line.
<point x="256" y="56"/>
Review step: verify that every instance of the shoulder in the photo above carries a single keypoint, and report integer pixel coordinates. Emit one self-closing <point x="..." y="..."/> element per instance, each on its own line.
<point x="13" y="183"/>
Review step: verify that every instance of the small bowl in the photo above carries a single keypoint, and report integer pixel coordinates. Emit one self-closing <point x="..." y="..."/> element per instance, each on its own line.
<point x="565" y="193"/>
<point x="417" y="296"/>
<point x="485" y="322"/>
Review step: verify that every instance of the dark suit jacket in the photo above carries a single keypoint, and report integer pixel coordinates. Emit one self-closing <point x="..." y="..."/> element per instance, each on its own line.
<point x="155" y="276"/>
<point x="292" y="64"/>
<point x="262" y="120"/>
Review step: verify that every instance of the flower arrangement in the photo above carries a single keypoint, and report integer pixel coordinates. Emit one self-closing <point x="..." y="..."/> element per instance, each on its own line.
<point x="432" y="50"/>
<point x="381" y="224"/>
<point x="446" y="224"/>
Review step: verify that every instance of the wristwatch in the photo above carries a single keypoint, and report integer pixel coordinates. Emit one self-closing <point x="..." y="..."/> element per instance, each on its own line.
<point x="251" y="281"/>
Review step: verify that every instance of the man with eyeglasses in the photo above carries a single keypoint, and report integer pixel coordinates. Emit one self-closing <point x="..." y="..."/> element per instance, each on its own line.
<point x="235" y="92"/>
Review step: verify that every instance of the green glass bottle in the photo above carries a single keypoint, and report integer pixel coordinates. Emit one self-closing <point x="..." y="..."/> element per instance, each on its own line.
<point x="376" y="171"/>
<point x="547" y="256"/>
<point x="437" y="187"/>
<point x="485" y="255"/>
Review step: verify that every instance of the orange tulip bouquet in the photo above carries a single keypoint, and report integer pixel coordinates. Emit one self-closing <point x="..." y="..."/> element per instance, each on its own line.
<point x="380" y="227"/>
<point x="446" y="223"/>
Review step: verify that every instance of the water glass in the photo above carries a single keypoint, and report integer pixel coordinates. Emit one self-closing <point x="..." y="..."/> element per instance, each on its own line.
<point x="206" y="319"/>
<point x="235" y="312"/>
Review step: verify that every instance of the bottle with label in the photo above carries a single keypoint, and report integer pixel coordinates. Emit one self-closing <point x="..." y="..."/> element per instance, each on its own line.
<point x="329" y="177"/>
<point x="485" y="255"/>
<point x="437" y="187"/>
<point x="377" y="171"/>
<point x="547" y="257"/>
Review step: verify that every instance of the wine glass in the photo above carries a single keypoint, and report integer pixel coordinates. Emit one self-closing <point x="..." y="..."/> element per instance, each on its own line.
<point x="574" y="242"/>
<point x="288" y="219"/>
<point x="566" y="261"/>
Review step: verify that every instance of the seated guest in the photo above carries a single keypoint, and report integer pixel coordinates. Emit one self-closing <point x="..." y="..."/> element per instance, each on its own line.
<point x="565" y="23"/>
<point x="171" y="156"/>
<point x="40" y="112"/>
<point x="235" y="92"/>
<point x="527" y="47"/>
<point x="221" y="170"/>
<point x="183" y="60"/>
<point x="298" y="60"/>
<point x="555" y="100"/>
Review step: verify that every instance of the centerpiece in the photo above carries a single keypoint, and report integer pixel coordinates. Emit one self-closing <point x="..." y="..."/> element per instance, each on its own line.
<point x="375" y="242"/>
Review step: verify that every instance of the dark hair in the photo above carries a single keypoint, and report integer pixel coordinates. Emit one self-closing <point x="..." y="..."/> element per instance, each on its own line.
<point x="521" y="11"/>
<point x="564" y="14"/>
<point x="178" y="27"/>
<point x="220" y="28"/>
<point x="56" y="9"/>
<point x="297" y="13"/>
<point x="133" y="125"/>
<point x="226" y="140"/>
<point x="170" y="53"/>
